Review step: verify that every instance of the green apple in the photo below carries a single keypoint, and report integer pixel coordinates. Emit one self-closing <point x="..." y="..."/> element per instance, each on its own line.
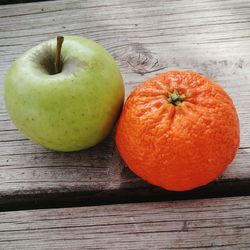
<point x="67" y="96"/>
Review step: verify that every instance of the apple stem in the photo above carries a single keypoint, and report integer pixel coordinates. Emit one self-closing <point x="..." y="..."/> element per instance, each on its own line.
<point x="57" y="62"/>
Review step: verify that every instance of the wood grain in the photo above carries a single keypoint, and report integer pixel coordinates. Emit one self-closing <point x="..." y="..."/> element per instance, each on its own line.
<point x="198" y="224"/>
<point x="146" y="38"/>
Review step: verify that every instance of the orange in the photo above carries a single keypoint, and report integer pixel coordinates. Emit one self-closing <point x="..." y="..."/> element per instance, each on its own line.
<point x="178" y="130"/>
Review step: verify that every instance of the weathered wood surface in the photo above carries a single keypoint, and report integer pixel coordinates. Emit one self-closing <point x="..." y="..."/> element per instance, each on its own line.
<point x="196" y="224"/>
<point x="146" y="38"/>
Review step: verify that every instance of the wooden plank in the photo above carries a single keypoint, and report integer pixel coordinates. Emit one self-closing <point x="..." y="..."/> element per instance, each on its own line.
<point x="211" y="37"/>
<point x="196" y="224"/>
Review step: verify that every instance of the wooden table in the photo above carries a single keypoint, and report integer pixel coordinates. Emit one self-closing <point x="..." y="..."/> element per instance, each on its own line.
<point x="90" y="199"/>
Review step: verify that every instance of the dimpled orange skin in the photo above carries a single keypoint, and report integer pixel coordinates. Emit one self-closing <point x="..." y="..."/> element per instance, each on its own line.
<point x="178" y="147"/>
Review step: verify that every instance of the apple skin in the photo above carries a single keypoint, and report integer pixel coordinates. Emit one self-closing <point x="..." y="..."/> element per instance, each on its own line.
<point x="69" y="111"/>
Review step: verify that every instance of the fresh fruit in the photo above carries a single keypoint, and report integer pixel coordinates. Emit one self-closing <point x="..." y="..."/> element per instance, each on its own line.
<point x="66" y="96"/>
<point x="178" y="130"/>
